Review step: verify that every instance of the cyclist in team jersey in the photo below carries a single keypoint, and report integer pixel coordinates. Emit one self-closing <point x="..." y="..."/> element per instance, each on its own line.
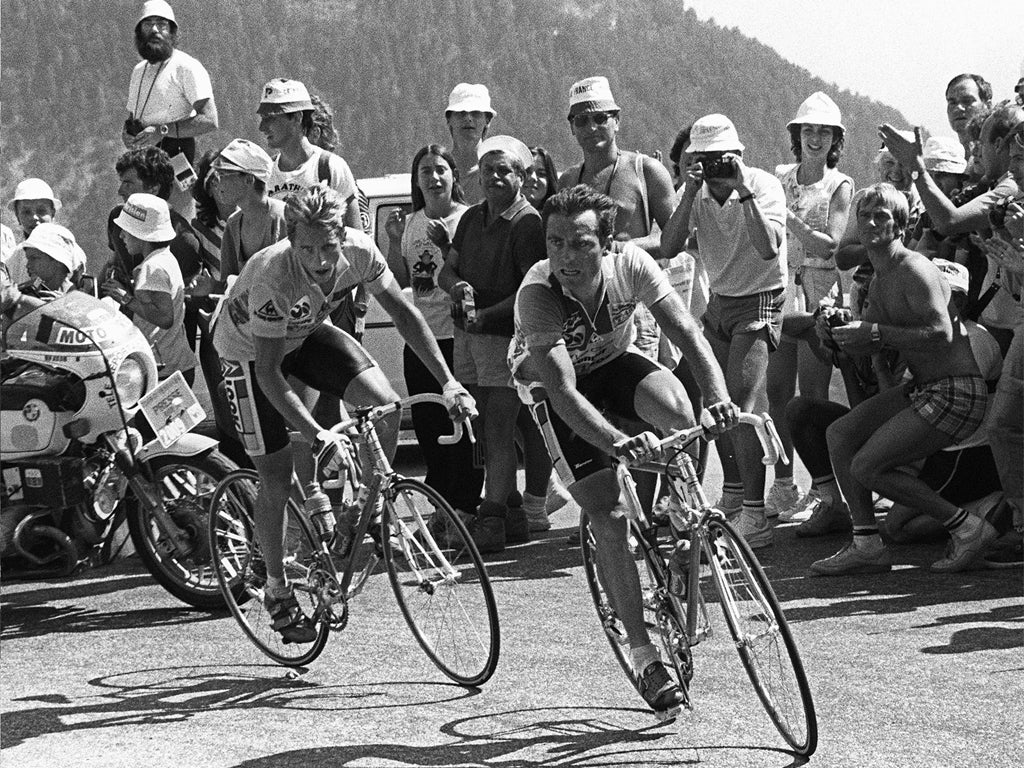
<point x="273" y="337"/>
<point x="574" y="360"/>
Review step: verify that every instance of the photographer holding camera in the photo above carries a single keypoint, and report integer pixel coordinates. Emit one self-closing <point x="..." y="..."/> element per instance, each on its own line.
<point x="738" y="214"/>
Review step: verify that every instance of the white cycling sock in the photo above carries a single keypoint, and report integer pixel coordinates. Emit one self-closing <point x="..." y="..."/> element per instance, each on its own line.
<point x="642" y="656"/>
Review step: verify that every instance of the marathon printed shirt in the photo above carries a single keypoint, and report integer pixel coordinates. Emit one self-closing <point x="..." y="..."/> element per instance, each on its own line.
<point x="273" y="296"/>
<point x="546" y="314"/>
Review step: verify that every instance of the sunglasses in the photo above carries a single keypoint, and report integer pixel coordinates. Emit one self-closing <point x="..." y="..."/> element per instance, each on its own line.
<point x="598" y="118"/>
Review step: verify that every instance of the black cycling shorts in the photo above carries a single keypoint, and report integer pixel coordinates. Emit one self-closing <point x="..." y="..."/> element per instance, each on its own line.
<point x="612" y="389"/>
<point x="328" y="360"/>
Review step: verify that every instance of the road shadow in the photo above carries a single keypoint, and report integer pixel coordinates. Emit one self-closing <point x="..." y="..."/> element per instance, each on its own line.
<point x="176" y="694"/>
<point x="571" y="736"/>
<point x="26" y="621"/>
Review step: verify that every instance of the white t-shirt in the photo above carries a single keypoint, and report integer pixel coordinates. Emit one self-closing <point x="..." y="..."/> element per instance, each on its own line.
<point x="546" y="314"/>
<point x="284" y="183"/>
<point x="159" y="272"/>
<point x="273" y="296"/>
<point x="165" y="92"/>
<point x="424" y="262"/>
<point x="17" y="264"/>
<point x="734" y="267"/>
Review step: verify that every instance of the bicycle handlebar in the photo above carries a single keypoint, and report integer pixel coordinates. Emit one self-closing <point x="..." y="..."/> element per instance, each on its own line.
<point x="764" y="428"/>
<point x="380" y="411"/>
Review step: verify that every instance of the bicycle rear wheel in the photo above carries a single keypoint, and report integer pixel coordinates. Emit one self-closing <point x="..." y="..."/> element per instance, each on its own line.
<point x="664" y="613"/>
<point x="440" y="582"/>
<point x="763" y="639"/>
<point x="237" y="558"/>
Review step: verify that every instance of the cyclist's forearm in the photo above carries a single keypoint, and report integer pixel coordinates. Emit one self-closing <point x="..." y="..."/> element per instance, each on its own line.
<point x="586" y="421"/>
<point x="288" y="403"/>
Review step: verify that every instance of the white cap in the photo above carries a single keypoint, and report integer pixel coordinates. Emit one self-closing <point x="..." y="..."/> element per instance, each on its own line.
<point x="592" y="94"/>
<point x="944" y="154"/>
<point x="957" y="275"/>
<point x="714" y="133"/>
<point x="146" y="217"/>
<point x="818" y="109"/>
<point x="281" y="96"/>
<point x="509" y="145"/>
<point x="33" y="189"/>
<point x="245" y="156"/>
<point x="470" y="97"/>
<point x="159" y="8"/>
<point x="58" y="243"/>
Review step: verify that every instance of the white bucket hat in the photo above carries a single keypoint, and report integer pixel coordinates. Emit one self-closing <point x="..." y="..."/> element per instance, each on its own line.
<point x="58" y="243"/>
<point x="245" y="156"/>
<point x="714" y="133"/>
<point x="281" y="96"/>
<point x="944" y="154"/>
<point x="957" y="275"/>
<point x="592" y="94"/>
<point x="509" y="145"/>
<point x="818" y="109"/>
<point x="33" y="189"/>
<point x="158" y="8"/>
<point x="470" y="97"/>
<point x="146" y="217"/>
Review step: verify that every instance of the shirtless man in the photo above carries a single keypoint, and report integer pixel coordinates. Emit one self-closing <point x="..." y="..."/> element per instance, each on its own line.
<point x="909" y="310"/>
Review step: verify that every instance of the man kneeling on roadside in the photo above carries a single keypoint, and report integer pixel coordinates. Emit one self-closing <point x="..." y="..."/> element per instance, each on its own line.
<point x="908" y="309"/>
<point x="573" y="358"/>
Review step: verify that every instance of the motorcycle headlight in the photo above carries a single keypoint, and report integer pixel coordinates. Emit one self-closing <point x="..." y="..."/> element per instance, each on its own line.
<point x="130" y="380"/>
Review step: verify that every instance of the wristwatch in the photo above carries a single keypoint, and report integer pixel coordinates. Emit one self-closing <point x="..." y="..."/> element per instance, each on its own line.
<point x="876" y="335"/>
<point x="915" y="175"/>
<point x="164" y="129"/>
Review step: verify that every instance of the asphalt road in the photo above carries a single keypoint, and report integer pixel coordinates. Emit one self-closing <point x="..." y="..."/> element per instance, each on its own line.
<point x="907" y="669"/>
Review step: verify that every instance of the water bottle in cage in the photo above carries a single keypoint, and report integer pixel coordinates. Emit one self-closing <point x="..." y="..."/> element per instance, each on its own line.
<point x="318" y="507"/>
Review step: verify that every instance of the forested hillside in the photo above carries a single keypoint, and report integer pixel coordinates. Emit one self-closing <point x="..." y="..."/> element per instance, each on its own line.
<point x="387" y="66"/>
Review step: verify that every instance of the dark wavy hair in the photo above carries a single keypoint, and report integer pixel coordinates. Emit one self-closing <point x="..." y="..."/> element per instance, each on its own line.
<point x="549" y="169"/>
<point x="834" y="152"/>
<point x="206" y="207"/>
<point x="322" y="117"/>
<point x="984" y="86"/>
<point x="153" y="167"/>
<point x="441" y="151"/>
<point x="579" y="199"/>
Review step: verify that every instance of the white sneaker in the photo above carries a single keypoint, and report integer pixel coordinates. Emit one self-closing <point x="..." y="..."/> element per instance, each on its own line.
<point x="781" y="500"/>
<point x="967" y="543"/>
<point x="852" y="559"/>
<point x="802" y="509"/>
<point x="755" y="529"/>
<point x="557" y="497"/>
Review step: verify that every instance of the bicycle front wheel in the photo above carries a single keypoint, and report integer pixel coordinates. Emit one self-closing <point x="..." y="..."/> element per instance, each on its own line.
<point x="237" y="560"/>
<point x="763" y="639"/>
<point x="440" y="582"/>
<point x="664" y="613"/>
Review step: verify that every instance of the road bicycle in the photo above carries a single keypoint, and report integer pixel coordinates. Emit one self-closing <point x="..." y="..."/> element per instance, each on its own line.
<point x="434" y="568"/>
<point x="704" y="555"/>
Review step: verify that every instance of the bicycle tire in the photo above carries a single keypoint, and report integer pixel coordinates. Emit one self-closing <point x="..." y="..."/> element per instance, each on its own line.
<point x="664" y="613"/>
<point x="237" y="558"/>
<point x="453" y="618"/>
<point x="770" y="658"/>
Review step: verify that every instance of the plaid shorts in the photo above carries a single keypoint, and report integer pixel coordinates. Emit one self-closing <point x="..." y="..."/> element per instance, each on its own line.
<point x="955" y="405"/>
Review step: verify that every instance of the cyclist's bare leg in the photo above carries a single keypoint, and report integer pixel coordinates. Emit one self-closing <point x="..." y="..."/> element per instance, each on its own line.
<point x="500" y="406"/>
<point x="275" y="471"/>
<point x="372" y="388"/>
<point x="598" y="495"/>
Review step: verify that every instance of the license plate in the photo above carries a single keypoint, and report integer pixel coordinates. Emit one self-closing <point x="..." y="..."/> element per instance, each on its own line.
<point x="172" y="409"/>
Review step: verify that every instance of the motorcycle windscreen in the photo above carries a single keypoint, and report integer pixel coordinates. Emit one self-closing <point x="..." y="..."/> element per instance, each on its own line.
<point x="75" y="322"/>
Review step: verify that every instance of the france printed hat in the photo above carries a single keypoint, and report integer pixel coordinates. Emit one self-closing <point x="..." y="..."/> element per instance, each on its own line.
<point x="592" y="94"/>
<point x="281" y="96"/>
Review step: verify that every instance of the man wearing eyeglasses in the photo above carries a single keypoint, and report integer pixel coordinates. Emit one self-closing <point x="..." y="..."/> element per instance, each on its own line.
<point x="170" y="98"/>
<point x="738" y="215"/>
<point x="640" y="185"/>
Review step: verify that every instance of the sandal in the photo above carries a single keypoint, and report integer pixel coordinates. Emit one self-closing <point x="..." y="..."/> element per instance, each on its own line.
<point x="288" y="619"/>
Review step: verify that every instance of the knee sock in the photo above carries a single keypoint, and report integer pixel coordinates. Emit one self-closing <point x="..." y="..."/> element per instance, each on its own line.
<point x="867" y="537"/>
<point x="959" y="518"/>
<point x="754" y="508"/>
<point x="732" y="493"/>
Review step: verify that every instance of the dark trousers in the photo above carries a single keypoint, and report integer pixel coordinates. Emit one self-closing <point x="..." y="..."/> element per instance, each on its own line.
<point x="450" y="469"/>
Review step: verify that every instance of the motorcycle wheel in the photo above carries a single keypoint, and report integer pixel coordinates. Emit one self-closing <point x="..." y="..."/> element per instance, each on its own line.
<point x="186" y="484"/>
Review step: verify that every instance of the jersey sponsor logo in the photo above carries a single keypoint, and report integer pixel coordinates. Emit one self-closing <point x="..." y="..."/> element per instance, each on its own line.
<point x="242" y="406"/>
<point x="238" y="309"/>
<point x="301" y="309"/>
<point x="268" y="313"/>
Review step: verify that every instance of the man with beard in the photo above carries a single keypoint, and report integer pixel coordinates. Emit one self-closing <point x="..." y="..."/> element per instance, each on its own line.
<point x="170" y="99"/>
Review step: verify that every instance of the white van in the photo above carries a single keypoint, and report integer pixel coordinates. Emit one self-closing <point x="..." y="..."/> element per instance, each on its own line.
<point x="385" y="194"/>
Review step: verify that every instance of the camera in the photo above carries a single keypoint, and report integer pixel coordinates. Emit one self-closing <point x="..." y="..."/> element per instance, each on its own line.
<point x="719" y="168"/>
<point x="133" y="126"/>
<point x="997" y="213"/>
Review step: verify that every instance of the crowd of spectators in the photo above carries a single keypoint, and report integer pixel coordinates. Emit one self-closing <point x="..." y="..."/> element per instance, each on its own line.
<point x="909" y="286"/>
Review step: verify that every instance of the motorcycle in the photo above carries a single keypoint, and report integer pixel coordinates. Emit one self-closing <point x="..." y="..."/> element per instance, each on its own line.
<point x="74" y="374"/>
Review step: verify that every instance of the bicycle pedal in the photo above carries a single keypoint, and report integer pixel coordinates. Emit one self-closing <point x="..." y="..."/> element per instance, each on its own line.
<point x="668" y="715"/>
